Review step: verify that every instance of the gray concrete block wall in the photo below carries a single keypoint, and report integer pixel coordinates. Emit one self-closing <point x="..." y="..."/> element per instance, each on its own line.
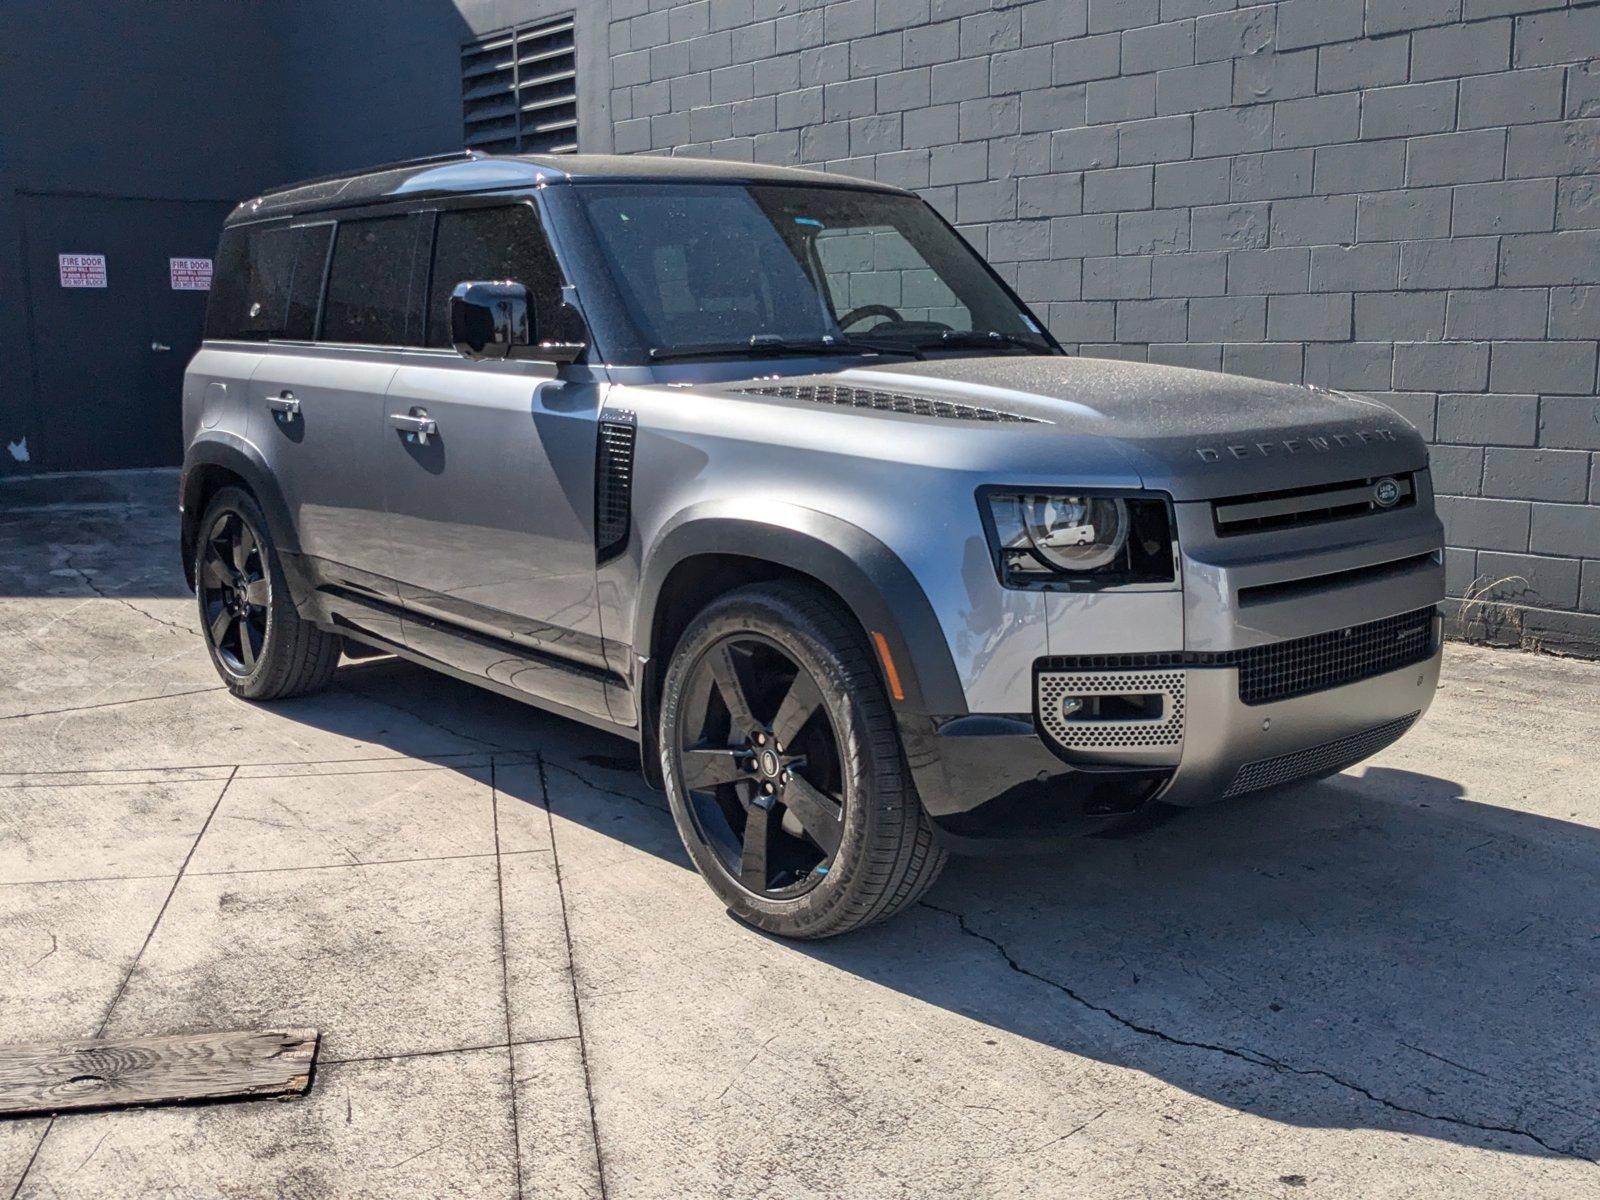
<point x="1393" y="197"/>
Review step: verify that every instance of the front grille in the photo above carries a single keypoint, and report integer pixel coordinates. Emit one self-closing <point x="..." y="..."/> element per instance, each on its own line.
<point x="1293" y="507"/>
<point x="1165" y="730"/>
<point x="843" y="396"/>
<point x="1282" y="670"/>
<point x="1318" y="760"/>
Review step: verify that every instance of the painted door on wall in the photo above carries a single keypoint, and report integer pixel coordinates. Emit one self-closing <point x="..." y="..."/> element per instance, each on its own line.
<point x="110" y="351"/>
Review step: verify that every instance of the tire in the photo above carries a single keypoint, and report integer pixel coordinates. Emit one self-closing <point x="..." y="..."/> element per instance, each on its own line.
<point x="258" y="643"/>
<point x="877" y="852"/>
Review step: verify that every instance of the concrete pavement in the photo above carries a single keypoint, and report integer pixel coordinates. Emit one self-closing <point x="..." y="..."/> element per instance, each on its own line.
<point x="1387" y="984"/>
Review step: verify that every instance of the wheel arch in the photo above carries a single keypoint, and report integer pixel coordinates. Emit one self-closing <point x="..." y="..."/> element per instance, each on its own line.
<point x="711" y="550"/>
<point x="217" y="459"/>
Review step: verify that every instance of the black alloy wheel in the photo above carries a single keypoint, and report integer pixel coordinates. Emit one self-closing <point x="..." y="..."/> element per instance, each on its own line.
<point x="761" y="767"/>
<point x="235" y="592"/>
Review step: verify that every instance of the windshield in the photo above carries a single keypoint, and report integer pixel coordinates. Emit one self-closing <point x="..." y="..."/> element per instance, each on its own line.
<point x="718" y="268"/>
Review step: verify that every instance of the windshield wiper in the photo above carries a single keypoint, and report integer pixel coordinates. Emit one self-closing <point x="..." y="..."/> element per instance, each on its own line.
<point x="910" y="351"/>
<point x="980" y="339"/>
<point x="760" y="345"/>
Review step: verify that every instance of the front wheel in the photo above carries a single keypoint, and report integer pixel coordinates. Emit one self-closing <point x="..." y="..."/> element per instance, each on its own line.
<point x="258" y="642"/>
<point x="784" y="768"/>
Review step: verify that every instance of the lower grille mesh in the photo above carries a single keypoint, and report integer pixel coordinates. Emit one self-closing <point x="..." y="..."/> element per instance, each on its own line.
<point x="1299" y="666"/>
<point x="1318" y="760"/>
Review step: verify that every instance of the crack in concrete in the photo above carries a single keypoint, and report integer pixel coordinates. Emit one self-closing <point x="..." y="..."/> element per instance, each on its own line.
<point x="602" y="789"/>
<point x="123" y="600"/>
<point x="55" y="712"/>
<point x="1254" y="1057"/>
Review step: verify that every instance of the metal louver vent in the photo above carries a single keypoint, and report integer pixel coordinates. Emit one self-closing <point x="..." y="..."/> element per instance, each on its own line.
<point x="613" y="484"/>
<point x="845" y="396"/>
<point x="519" y="90"/>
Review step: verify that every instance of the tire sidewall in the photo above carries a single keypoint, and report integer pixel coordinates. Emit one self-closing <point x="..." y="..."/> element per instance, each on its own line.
<point x="764" y="613"/>
<point x="235" y="501"/>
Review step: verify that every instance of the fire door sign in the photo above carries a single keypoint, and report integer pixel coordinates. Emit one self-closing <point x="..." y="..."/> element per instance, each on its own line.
<point x="82" y="270"/>
<point x="191" y="274"/>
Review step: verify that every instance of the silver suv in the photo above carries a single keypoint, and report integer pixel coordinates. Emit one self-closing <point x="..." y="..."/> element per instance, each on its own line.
<point x="768" y="471"/>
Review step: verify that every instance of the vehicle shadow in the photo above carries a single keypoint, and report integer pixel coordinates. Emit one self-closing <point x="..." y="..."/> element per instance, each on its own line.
<point x="1373" y="951"/>
<point x="108" y="534"/>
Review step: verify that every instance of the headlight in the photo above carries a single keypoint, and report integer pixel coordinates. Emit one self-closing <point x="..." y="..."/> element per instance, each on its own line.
<point x="1079" y="541"/>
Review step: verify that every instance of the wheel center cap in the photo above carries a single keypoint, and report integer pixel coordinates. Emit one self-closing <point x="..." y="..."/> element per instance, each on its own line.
<point x="769" y="763"/>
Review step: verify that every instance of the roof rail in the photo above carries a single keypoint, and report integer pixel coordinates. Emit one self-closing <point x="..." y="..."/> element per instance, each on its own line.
<point x="356" y="173"/>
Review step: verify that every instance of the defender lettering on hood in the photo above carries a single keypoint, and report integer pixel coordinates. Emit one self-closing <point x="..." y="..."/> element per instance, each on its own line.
<point x="1307" y="444"/>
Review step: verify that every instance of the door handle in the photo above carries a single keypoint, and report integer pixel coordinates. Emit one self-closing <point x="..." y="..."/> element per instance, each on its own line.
<point x="160" y="347"/>
<point x="286" y="403"/>
<point x="417" y="424"/>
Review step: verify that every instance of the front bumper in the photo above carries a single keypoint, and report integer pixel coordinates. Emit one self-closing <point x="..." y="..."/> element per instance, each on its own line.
<point x="989" y="779"/>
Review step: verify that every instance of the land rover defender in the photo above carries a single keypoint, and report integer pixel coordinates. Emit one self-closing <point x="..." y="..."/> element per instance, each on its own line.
<point x="770" y="472"/>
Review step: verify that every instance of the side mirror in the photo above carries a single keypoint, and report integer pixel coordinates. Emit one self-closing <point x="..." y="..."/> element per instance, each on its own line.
<point x="489" y="318"/>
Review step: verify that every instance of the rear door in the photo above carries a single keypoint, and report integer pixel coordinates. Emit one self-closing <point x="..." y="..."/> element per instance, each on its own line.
<point x="492" y="517"/>
<point x="317" y="406"/>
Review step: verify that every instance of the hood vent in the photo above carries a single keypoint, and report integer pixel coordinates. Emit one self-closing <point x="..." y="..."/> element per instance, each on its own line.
<point x="844" y="396"/>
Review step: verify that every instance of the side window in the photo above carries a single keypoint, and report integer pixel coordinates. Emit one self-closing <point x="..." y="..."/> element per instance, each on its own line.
<point x="268" y="282"/>
<point x="310" y="264"/>
<point x="504" y="242"/>
<point x="369" y="285"/>
<point x="876" y="264"/>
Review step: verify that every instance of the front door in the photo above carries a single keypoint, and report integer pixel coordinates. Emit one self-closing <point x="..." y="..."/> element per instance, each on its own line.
<point x="492" y="515"/>
<point x="114" y="322"/>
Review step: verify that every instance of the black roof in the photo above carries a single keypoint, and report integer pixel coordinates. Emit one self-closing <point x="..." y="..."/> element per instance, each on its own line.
<point x="469" y="171"/>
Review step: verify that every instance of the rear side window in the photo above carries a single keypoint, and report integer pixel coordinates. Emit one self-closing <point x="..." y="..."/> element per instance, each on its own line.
<point x="493" y="243"/>
<point x="369" y="284"/>
<point x="268" y="282"/>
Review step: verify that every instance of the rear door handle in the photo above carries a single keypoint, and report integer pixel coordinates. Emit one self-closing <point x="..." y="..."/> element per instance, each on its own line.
<point x="286" y="403"/>
<point x="416" y="423"/>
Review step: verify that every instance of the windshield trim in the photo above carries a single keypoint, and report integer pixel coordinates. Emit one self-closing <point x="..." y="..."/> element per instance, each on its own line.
<point x="630" y="347"/>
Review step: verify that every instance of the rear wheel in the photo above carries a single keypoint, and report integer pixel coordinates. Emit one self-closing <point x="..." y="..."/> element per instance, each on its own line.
<point x="784" y="768"/>
<point x="259" y="644"/>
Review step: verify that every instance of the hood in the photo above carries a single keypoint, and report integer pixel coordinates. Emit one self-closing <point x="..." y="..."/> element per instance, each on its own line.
<point x="1194" y="434"/>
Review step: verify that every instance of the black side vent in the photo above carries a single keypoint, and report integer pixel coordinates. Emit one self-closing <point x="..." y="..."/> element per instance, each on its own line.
<point x="844" y="396"/>
<point x="519" y="90"/>
<point x="613" y="484"/>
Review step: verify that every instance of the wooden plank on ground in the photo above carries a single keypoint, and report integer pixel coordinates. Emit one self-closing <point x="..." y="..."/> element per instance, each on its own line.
<point x="118" y="1072"/>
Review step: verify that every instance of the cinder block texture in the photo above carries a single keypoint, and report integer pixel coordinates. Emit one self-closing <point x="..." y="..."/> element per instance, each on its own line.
<point x="1397" y="197"/>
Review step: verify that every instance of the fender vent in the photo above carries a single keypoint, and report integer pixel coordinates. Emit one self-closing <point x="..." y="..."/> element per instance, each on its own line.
<point x="843" y="396"/>
<point x="613" y="484"/>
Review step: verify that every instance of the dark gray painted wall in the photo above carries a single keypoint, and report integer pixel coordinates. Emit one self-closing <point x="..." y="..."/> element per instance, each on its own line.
<point x="216" y="99"/>
<point x="91" y="101"/>
<point x="372" y="81"/>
